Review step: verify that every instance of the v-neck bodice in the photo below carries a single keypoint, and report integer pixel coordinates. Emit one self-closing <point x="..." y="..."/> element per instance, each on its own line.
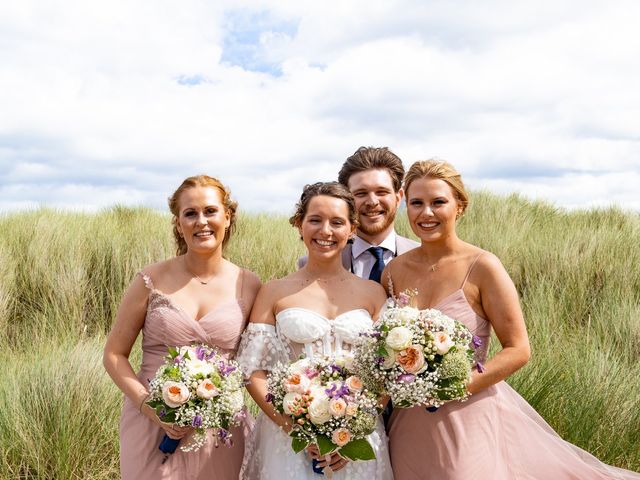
<point x="168" y="324"/>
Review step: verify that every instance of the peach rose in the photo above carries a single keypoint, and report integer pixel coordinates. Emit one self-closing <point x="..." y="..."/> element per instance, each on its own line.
<point x="297" y="382"/>
<point x="337" y="407"/>
<point x="354" y="383"/>
<point x="411" y="359"/>
<point x="206" y="389"/>
<point x="175" y="394"/>
<point x="341" y="437"/>
<point x="351" y="409"/>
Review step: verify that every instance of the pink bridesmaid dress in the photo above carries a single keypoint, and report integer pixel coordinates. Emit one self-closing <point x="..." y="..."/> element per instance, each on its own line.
<point x="167" y="324"/>
<point x="495" y="435"/>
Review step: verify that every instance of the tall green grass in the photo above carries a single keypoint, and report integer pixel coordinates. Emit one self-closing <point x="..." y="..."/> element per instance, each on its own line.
<point x="62" y="276"/>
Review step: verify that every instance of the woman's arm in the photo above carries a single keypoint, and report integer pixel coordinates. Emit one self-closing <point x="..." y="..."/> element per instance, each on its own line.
<point x="129" y="321"/>
<point x="499" y="300"/>
<point x="262" y="313"/>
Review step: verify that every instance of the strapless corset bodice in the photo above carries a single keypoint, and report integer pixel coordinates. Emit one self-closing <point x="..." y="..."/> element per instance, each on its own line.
<point x="308" y="332"/>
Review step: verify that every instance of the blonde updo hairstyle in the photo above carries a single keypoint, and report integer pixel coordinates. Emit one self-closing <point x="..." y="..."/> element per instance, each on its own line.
<point x="230" y="207"/>
<point x="442" y="170"/>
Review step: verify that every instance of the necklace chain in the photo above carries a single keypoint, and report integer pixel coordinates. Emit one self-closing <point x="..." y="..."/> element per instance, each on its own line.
<point x="202" y="282"/>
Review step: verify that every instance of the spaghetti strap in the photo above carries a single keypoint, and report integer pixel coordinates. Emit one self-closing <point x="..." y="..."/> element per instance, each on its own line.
<point x="469" y="271"/>
<point x="147" y="280"/>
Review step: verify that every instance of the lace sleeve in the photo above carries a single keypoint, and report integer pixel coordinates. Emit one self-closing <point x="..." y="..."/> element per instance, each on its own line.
<point x="260" y="349"/>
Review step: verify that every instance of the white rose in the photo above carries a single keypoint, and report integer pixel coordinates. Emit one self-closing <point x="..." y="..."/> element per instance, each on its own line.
<point x="337" y="407"/>
<point x="288" y="402"/>
<point x="175" y="394"/>
<point x="389" y="359"/>
<point x="443" y="342"/>
<point x="408" y="314"/>
<point x="319" y="412"/>
<point x="399" y="338"/>
<point x="207" y="390"/>
<point x="195" y="367"/>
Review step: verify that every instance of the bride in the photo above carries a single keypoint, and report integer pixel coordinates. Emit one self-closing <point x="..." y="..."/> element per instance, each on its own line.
<point x="318" y="310"/>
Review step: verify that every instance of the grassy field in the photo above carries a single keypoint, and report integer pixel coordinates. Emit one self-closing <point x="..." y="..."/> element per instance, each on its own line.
<point x="62" y="275"/>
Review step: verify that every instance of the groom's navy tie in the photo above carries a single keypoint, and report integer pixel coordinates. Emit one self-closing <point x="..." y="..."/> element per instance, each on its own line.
<point x="378" y="267"/>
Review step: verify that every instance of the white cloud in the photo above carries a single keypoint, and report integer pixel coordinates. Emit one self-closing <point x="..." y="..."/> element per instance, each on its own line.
<point x="126" y="99"/>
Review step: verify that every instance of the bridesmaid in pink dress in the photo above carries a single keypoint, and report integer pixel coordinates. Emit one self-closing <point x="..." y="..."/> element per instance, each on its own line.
<point x="195" y="297"/>
<point x="496" y="434"/>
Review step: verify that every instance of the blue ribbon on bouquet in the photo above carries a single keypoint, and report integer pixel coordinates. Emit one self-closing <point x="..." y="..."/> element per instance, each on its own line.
<point x="316" y="468"/>
<point x="168" y="446"/>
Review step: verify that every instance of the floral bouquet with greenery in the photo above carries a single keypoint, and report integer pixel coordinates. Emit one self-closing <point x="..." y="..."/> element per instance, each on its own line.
<point x="328" y="407"/>
<point x="197" y="387"/>
<point x="417" y="357"/>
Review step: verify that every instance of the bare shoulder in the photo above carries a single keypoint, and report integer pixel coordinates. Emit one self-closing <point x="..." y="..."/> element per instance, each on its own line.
<point x="488" y="269"/>
<point x="160" y="269"/>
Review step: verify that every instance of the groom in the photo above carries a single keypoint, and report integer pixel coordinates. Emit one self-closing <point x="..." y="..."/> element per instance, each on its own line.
<point x="374" y="177"/>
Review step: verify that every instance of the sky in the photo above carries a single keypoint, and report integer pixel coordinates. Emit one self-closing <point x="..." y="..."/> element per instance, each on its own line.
<point x="116" y="102"/>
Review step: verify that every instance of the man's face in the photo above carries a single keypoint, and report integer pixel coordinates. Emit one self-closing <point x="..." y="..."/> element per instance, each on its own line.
<point x="376" y="202"/>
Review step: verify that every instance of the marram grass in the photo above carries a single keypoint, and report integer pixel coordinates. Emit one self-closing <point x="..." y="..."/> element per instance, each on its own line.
<point x="62" y="276"/>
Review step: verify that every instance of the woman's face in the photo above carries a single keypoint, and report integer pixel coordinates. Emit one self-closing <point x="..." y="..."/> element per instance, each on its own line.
<point x="432" y="208"/>
<point x="202" y="218"/>
<point x="325" y="228"/>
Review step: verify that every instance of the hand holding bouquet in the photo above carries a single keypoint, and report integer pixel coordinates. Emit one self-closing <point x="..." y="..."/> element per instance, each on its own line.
<point x="327" y="405"/>
<point x="418" y="357"/>
<point x="196" y="387"/>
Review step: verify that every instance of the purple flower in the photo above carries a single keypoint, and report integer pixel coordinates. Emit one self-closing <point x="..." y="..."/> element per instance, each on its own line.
<point x="197" y="421"/>
<point x="407" y="378"/>
<point x="336" y="368"/>
<point x="337" y="392"/>
<point x="178" y="359"/>
<point x="477" y="341"/>
<point x="480" y="368"/>
<point x="162" y="412"/>
<point x="225" y="369"/>
<point x="269" y="397"/>
<point x="224" y="436"/>
<point x="380" y="360"/>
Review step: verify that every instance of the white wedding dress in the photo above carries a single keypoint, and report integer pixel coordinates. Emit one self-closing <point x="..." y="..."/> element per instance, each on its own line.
<point x="300" y="332"/>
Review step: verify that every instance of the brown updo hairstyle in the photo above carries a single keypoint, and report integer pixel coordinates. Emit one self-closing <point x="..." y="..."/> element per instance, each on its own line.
<point x="330" y="189"/>
<point x="435" y="168"/>
<point x="230" y="207"/>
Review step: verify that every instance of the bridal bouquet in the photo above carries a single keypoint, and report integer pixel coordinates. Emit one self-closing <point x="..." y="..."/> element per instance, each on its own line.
<point x="418" y="357"/>
<point x="328" y="406"/>
<point x="199" y="388"/>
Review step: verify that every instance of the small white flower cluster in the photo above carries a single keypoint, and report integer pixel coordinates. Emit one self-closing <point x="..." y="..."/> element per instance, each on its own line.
<point x="324" y="400"/>
<point x="197" y="387"/>
<point x="417" y="357"/>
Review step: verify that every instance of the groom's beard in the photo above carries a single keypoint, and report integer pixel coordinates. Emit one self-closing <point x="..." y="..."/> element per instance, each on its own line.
<point x="375" y="228"/>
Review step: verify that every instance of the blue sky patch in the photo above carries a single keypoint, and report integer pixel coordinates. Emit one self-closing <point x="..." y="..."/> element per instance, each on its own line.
<point x="243" y="43"/>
